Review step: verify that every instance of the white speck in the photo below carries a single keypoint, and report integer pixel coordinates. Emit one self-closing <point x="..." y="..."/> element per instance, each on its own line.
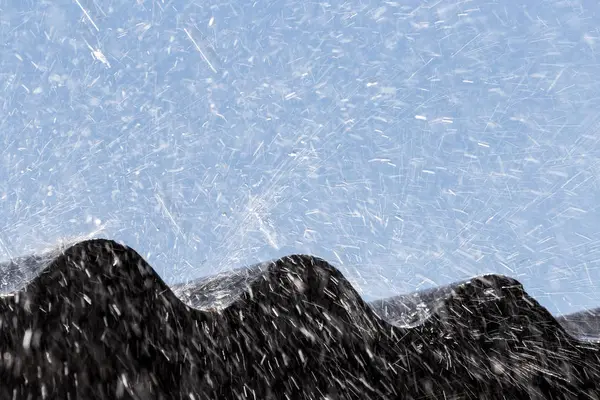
<point x="421" y="117"/>
<point x="443" y="120"/>
<point x="379" y="12"/>
<point x="497" y="367"/>
<point x="381" y="160"/>
<point x="301" y="356"/>
<point x="27" y="339"/>
<point x="116" y="309"/>
<point x="290" y="96"/>
<point x="211" y="22"/>
<point x="589" y="40"/>
<point x="98" y="55"/>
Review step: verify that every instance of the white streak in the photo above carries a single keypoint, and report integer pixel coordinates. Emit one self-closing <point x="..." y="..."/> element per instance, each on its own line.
<point x="87" y="15"/>
<point x="200" y="51"/>
<point x="166" y="210"/>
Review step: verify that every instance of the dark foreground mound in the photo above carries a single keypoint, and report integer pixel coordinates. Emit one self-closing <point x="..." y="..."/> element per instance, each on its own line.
<point x="98" y="323"/>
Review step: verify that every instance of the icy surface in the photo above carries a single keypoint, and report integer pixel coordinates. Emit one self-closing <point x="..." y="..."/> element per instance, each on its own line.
<point x="217" y="292"/>
<point x="411" y="143"/>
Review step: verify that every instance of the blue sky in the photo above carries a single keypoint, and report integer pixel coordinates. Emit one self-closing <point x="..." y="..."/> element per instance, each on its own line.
<point x="410" y="144"/>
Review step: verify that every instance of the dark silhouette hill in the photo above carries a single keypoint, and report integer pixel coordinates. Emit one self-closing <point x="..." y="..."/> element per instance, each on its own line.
<point x="95" y="321"/>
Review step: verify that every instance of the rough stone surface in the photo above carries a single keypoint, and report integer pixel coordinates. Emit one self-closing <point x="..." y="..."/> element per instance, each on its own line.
<point x="97" y="322"/>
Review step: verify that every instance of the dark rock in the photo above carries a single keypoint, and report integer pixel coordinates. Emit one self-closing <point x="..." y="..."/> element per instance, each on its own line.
<point x="96" y="322"/>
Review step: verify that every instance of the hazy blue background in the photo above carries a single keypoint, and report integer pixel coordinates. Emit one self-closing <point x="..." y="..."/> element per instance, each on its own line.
<point x="409" y="143"/>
